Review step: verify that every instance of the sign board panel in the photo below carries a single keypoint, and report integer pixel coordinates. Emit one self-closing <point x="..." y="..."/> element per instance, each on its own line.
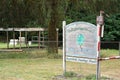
<point x="81" y="42"/>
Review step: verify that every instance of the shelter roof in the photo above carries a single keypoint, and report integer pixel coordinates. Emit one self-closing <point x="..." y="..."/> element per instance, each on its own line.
<point x="22" y="29"/>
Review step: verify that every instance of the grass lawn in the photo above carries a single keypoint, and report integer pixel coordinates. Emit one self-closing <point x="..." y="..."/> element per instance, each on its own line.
<point x="45" y="69"/>
<point x="4" y="45"/>
<point x="33" y="65"/>
<point x="29" y="69"/>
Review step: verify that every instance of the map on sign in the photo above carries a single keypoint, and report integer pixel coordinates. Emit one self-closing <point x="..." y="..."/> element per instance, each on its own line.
<point x="81" y="42"/>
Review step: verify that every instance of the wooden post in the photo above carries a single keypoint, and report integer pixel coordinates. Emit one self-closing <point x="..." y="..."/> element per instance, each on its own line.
<point x="13" y="38"/>
<point x="64" y="47"/>
<point x="7" y="39"/>
<point x="57" y="40"/>
<point x="100" y="31"/>
<point x="119" y="48"/>
<point x="20" y="39"/>
<point x="39" y="39"/>
<point x="43" y="39"/>
<point x="26" y="39"/>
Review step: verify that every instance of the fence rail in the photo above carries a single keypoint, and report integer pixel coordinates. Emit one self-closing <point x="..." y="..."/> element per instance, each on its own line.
<point x="104" y="44"/>
<point x="110" y="44"/>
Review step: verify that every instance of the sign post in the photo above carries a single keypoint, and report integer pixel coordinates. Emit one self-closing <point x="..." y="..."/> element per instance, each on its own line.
<point x="100" y="30"/>
<point x="98" y="56"/>
<point x="64" y="47"/>
<point x="80" y="43"/>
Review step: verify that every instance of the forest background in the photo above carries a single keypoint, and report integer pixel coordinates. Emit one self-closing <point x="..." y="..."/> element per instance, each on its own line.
<point x="50" y="14"/>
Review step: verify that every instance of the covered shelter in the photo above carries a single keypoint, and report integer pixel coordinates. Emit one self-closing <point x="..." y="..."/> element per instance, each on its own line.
<point x="39" y="31"/>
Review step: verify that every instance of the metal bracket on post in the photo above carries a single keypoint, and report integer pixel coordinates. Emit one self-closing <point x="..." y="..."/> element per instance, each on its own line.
<point x="100" y="21"/>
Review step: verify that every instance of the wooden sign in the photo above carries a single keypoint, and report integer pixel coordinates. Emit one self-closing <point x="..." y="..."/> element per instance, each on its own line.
<point x="81" y="42"/>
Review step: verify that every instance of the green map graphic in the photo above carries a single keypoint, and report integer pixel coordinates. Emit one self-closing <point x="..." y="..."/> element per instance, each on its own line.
<point x="80" y="39"/>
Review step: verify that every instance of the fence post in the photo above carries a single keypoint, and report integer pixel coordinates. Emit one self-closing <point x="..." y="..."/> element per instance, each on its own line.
<point x="39" y="39"/>
<point x="20" y="38"/>
<point x="7" y="40"/>
<point x="13" y="38"/>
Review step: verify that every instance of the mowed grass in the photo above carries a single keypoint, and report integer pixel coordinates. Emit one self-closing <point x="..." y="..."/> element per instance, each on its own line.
<point x="109" y="52"/>
<point x="34" y="65"/>
<point x="29" y="69"/>
<point x="4" y="45"/>
<point x="46" y="69"/>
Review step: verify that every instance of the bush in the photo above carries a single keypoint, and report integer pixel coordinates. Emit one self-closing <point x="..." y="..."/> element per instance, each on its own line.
<point x="70" y="74"/>
<point x="91" y="77"/>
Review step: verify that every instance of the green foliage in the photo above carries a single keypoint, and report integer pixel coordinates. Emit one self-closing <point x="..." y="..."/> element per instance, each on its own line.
<point x="112" y="29"/>
<point x="91" y="77"/>
<point x="37" y="13"/>
<point x="70" y="74"/>
<point x="88" y="10"/>
<point x="33" y="24"/>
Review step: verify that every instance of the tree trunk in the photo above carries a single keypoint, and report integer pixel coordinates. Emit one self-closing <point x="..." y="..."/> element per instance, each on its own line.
<point x="52" y="32"/>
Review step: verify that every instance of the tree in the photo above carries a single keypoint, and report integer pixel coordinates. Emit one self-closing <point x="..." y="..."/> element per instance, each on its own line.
<point x="112" y="29"/>
<point x="58" y="10"/>
<point x="41" y="13"/>
<point x="52" y="33"/>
